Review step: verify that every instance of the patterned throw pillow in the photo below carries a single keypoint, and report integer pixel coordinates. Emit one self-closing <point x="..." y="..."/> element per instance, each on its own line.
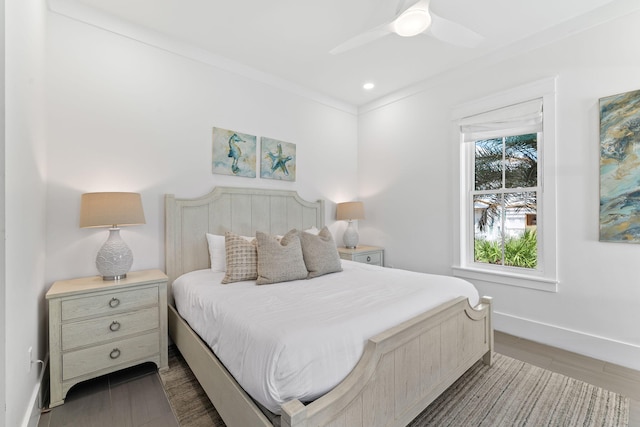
<point x="279" y="261"/>
<point x="242" y="258"/>
<point x="320" y="253"/>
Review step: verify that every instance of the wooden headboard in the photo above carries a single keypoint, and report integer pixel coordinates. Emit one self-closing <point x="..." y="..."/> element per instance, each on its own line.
<point x="241" y="210"/>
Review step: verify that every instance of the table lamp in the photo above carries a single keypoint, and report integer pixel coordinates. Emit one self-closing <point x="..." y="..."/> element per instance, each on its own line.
<point x="350" y="211"/>
<point x="112" y="210"/>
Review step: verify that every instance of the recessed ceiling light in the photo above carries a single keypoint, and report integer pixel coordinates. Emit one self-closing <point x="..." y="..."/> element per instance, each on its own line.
<point x="368" y="86"/>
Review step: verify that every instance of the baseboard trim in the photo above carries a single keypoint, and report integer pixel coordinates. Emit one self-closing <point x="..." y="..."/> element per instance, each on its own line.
<point x="605" y="349"/>
<point x="38" y="396"/>
<point x="32" y="416"/>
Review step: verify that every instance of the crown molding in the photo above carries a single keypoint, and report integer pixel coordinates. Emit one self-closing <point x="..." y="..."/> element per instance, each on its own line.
<point x="105" y="21"/>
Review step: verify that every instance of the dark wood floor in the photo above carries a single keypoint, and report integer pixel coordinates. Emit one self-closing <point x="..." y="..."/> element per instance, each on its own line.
<point x="132" y="397"/>
<point x="135" y="397"/>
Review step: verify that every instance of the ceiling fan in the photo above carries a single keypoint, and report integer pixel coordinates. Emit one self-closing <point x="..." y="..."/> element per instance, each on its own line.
<point x="411" y="19"/>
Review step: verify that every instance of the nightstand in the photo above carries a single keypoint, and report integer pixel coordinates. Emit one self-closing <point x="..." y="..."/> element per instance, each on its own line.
<point x="97" y="327"/>
<point x="373" y="255"/>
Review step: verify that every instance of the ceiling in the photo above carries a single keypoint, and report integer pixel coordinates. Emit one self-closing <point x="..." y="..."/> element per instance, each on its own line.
<point x="291" y="39"/>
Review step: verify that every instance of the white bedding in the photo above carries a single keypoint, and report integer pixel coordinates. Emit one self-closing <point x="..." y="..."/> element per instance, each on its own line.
<point x="300" y="339"/>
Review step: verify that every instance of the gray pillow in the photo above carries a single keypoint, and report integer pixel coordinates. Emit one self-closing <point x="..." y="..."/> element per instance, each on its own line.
<point x="279" y="261"/>
<point x="241" y="257"/>
<point x="320" y="253"/>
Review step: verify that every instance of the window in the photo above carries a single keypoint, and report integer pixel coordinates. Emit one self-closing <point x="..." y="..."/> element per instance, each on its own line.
<point x="504" y="201"/>
<point x="506" y="207"/>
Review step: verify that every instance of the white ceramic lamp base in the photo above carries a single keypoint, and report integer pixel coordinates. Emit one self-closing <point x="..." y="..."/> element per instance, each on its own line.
<point x="350" y="236"/>
<point x="114" y="258"/>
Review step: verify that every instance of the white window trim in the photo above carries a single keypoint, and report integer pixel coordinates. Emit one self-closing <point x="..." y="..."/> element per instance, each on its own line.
<point x="545" y="277"/>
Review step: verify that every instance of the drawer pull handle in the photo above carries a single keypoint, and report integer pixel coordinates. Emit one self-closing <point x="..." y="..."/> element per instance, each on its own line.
<point x="368" y="259"/>
<point x="114" y="326"/>
<point x="114" y="302"/>
<point x="115" y="353"/>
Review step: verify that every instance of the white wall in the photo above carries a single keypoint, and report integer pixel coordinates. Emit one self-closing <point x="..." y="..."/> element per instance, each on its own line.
<point x="24" y="167"/>
<point x="405" y="178"/>
<point x="3" y="277"/>
<point x="127" y="116"/>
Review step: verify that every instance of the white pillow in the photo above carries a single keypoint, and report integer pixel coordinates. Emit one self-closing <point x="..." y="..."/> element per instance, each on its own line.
<point x="217" y="252"/>
<point x="313" y="230"/>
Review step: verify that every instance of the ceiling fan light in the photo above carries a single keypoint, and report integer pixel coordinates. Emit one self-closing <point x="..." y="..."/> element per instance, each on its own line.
<point x="412" y="22"/>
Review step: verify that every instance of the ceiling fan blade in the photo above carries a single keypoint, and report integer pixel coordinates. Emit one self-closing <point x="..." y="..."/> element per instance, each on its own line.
<point x="404" y="5"/>
<point x="452" y="32"/>
<point x="362" y="39"/>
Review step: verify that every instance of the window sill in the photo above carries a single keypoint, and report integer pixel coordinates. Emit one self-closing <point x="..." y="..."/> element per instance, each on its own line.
<point x="505" y="278"/>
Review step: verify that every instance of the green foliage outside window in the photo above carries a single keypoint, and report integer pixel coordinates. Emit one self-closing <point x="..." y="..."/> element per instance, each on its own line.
<point x="518" y="251"/>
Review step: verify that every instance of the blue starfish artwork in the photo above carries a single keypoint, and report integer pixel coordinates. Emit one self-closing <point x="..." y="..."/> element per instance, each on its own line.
<point x="278" y="159"/>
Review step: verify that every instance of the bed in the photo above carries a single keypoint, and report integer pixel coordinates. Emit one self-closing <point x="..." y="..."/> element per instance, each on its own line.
<point x="402" y="369"/>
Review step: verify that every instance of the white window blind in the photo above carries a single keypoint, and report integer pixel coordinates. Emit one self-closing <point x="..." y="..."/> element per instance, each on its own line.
<point x="517" y="119"/>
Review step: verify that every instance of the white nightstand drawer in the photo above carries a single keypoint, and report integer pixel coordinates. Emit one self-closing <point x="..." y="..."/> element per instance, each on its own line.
<point x="92" y="359"/>
<point x="373" y="255"/>
<point x="370" y="258"/>
<point x="111" y="302"/>
<point x="93" y="331"/>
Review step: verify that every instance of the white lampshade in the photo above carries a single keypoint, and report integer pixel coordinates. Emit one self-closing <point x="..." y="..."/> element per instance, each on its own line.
<point x="114" y="258"/>
<point x="349" y="211"/>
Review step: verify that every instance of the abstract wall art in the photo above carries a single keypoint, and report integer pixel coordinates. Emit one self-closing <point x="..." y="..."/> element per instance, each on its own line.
<point x="620" y="168"/>
<point x="277" y="159"/>
<point x="234" y="153"/>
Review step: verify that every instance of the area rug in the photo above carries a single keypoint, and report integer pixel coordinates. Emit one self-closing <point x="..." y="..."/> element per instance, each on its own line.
<point x="509" y="393"/>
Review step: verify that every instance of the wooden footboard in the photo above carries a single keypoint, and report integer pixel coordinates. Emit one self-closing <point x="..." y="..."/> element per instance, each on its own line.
<point x="403" y="369"/>
<point x="401" y="372"/>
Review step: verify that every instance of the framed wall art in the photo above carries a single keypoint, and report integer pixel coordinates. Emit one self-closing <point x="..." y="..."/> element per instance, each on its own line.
<point x="620" y="168"/>
<point x="234" y="153"/>
<point x="277" y="159"/>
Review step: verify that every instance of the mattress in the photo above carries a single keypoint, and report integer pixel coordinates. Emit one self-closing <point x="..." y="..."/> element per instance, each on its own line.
<point x="299" y="339"/>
